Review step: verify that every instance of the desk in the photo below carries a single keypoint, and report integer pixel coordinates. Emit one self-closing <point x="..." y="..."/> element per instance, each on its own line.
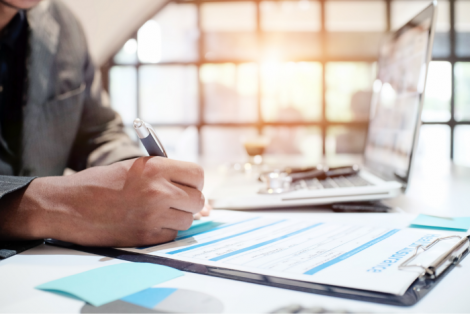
<point x="444" y="192"/>
<point x="442" y="189"/>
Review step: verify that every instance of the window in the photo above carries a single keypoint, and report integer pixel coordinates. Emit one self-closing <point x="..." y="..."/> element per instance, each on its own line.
<point x="462" y="91"/>
<point x="230" y="91"/>
<point x="438" y="92"/>
<point x="291" y="91"/>
<point x="462" y="28"/>
<point x="208" y="73"/>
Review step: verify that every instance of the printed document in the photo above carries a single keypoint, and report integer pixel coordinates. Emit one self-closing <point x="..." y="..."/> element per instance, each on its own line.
<point x="353" y="256"/>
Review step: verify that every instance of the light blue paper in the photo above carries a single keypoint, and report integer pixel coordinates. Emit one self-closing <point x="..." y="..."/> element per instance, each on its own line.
<point x="198" y="226"/>
<point x="149" y="298"/>
<point x="200" y="223"/>
<point x="442" y="223"/>
<point x="109" y="283"/>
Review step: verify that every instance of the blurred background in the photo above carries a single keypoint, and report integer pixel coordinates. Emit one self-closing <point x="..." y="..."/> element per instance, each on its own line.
<point x="206" y="73"/>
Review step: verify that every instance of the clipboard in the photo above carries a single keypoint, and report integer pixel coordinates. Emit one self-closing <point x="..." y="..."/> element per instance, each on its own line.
<point x="430" y="276"/>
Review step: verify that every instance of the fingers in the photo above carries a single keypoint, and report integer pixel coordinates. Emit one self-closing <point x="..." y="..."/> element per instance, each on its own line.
<point x="184" y="173"/>
<point x="206" y="210"/>
<point x="187" y="199"/>
<point x="169" y="221"/>
<point x="164" y="235"/>
<point x="176" y="219"/>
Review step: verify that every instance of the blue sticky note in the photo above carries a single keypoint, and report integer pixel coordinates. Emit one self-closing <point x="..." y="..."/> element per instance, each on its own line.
<point x="442" y="223"/>
<point x="198" y="226"/>
<point x="149" y="298"/>
<point x="109" y="283"/>
<point x="200" y="223"/>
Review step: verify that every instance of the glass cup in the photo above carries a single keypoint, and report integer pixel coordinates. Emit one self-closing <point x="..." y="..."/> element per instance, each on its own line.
<point x="254" y="147"/>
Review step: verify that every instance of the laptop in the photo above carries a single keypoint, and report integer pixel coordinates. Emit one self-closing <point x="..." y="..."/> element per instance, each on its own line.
<point x="395" y="119"/>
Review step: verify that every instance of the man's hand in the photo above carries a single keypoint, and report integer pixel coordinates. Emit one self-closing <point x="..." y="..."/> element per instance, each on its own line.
<point x="206" y="211"/>
<point x="130" y="203"/>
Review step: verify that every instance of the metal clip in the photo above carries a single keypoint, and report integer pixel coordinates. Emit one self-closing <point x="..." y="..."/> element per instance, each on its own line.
<point x="452" y="256"/>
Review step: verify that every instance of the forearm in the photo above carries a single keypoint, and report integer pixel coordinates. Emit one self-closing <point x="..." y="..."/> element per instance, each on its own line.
<point x="21" y="212"/>
<point x="131" y="203"/>
<point x="45" y="209"/>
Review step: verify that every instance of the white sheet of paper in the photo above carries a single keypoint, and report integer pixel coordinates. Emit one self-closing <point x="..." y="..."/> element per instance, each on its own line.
<point x="354" y="256"/>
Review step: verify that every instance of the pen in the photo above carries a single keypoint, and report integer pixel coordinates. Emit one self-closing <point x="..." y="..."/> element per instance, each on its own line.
<point x="359" y="209"/>
<point x="149" y="139"/>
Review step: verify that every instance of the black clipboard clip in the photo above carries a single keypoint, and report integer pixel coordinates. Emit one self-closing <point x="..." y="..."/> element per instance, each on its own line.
<point x="442" y="262"/>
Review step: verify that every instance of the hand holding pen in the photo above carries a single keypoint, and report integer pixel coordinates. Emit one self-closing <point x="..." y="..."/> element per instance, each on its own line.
<point x="154" y="147"/>
<point x="134" y="202"/>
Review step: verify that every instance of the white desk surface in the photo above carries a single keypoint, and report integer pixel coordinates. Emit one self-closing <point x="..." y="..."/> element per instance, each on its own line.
<point x="445" y="193"/>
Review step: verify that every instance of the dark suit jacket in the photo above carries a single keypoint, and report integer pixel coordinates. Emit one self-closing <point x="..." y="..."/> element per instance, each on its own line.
<point x="67" y="120"/>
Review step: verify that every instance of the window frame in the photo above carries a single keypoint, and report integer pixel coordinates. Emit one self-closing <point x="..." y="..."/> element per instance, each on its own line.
<point x="323" y="123"/>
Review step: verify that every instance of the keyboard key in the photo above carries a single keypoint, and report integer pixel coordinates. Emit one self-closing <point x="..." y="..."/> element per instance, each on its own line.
<point x="357" y="181"/>
<point x="342" y="182"/>
<point x="331" y="183"/>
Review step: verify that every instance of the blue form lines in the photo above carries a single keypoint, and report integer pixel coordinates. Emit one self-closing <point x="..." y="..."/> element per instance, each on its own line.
<point x="222" y="239"/>
<point x="218" y="258"/>
<point x="198" y="233"/>
<point x="350" y="253"/>
<point x="215" y="229"/>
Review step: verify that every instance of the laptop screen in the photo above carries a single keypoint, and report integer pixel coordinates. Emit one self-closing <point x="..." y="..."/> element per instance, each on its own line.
<point x="397" y="97"/>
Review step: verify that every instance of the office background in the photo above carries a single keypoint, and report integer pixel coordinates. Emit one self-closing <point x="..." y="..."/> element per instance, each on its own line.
<point x="207" y="73"/>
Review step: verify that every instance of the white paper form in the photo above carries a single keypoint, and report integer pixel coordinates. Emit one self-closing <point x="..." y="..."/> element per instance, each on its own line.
<point x="354" y="256"/>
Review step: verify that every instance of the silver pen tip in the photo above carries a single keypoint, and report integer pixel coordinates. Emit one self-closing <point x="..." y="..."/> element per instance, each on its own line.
<point x="137" y="123"/>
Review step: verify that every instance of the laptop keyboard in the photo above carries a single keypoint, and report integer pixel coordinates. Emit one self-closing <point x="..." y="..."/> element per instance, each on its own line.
<point x="333" y="183"/>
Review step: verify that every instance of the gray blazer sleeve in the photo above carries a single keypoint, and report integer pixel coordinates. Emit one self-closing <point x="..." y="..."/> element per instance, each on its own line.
<point x="10" y="184"/>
